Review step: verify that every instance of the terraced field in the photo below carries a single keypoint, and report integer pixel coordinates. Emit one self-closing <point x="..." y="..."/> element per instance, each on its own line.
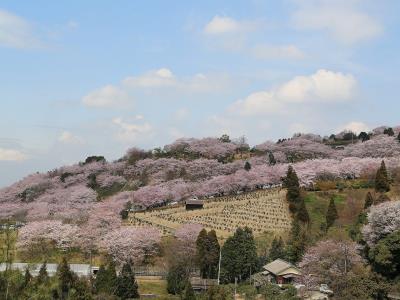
<point x="264" y="210"/>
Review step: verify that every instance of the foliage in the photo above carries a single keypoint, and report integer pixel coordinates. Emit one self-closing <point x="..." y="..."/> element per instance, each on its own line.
<point x="331" y="214"/>
<point x="385" y="256"/>
<point x="126" y="285"/>
<point x="208" y="253"/>
<point x="189" y="292"/>
<point x="382" y="183"/>
<point x="177" y="277"/>
<point x="274" y="292"/>
<point x="277" y="249"/>
<point x="369" y="200"/>
<point x="239" y="255"/>
<point x="106" y="279"/>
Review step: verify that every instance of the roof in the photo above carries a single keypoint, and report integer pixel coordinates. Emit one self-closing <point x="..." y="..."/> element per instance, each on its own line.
<point x="194" y="201"/>
<point x="279" y="266"/>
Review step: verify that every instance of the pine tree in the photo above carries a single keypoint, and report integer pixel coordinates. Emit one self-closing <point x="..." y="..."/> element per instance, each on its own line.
<point x="105" y="281"/>
<point x="398" y="137"/>
<point x="277" y="249"/>
<point x="302" y="213"/>
<point x="27" y="278"/>
<point x="43" y="276"/>
<point x="297" y="242"/>
<point x="369" y="200"/>
<point x="127" y="287"/>
<point x="291" y="182"/>
<point x="247" y="166"/>
<point x="65" y="278"/>
<point x="213" y="250"/>
<point x="201" y="243"/>
<point x="382" y="184"/>
<point x="189" y="292"/>
<point x="331" y="214"/>
<point x="389" y="131"/>
<point x="271" y="158"/>
<point x="239" y="255"/>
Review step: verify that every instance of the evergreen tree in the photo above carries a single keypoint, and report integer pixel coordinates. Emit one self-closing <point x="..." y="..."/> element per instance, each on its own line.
<point x="277" y="249"/>
<point x="389" y="131"/>
<point x="65" y="278"/>
<point x="398" y="137"/>
<point x="239" y="255"/>
<point x="27" y="278"/>
<point x="331" y="214"/>
<point x="271" y="158"/>
<point x="291" y="182"/>
<point x="381" y="179"/>
<point x="177" y="277"/>
<point x="369" y="200"/>
<point x="247" y="166"/>
<point x="201" y="245"/>
<point x="213" y="250"/>
<point x="297" y="242"/>
<point x="302" y="213"/>
<point x="43" y="276"/>
<point x="189" y="292"/>
<point x="363" y="136"/>
<point x="105" y="281"/>
<point x="127" y="287"/>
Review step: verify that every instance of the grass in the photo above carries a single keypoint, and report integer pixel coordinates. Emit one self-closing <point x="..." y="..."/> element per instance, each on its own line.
<point x="154" y="286"/>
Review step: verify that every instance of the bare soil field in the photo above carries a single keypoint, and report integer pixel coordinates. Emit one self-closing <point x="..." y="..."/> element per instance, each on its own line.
<point x="263" y="210"/>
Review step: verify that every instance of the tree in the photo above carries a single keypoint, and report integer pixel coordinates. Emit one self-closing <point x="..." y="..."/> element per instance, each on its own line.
<point x="247" y="166"/>
<point x="385" y="256"/>
<point x="239" y="255"/>
<point x="331" y="214"/>
<point x="389" y="131"/>
<point x="369" y="200"/>
<point x="42" y="277"/>
<point x="297" y="242"/>
<point x="201" y="253"/>
<point x="189" y="292"/>
<point x="382" y="184"/>
<point x="398" y="137"/>
<point x="127" y="286"/>
<point x="363" y="136"/>
<point x="208" y="253"/>
<point x="302" y="213"/>
<point x="277" y="249"/>
<point x="271" y="158"/>
<point x="177" y="277"/>
<point x="65" y="278"/>
<point x="106" y="278"/>
<point x="291" y="182"/>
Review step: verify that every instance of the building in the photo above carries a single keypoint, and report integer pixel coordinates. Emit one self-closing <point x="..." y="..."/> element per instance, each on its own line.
<point x="194" y="203"/>
<point x="78" y="269"/>
<point x="281" y="272"/>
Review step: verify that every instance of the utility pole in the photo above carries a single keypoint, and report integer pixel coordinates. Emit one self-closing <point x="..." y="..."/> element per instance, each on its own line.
<point x="219" y="266"/>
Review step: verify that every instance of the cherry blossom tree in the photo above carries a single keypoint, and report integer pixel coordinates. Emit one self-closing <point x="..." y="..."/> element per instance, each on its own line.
<point x="383" y="219"/>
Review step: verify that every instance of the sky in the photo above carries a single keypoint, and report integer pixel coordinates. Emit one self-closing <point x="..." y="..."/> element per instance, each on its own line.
<point x="81" y="78"/>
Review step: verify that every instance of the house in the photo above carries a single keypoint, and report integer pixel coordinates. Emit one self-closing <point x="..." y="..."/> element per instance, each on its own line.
<point x="281" y="272"/>
<point x="194" y="203"/>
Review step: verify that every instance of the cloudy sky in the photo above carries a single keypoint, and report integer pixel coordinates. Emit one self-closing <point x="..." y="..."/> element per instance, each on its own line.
<point x="97" y="77"/>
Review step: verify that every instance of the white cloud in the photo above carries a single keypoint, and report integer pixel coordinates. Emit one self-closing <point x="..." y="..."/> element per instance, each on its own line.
<point x="342" y="19"/>
<point x="355" y="126"/>
<point x="16" y="32"/>
<point x="321" y="87"/>
<point x="107" y="96"/>
<point x="12" y="155"/>
<point x="264" y="51"/>
<point x="159" y="78"/>
<point x="132" y="132"/>
<point x="222" y="25"/>
<point x="67" y="137"/>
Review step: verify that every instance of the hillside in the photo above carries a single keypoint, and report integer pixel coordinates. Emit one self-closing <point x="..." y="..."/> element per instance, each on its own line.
<point x="84" y="201"/>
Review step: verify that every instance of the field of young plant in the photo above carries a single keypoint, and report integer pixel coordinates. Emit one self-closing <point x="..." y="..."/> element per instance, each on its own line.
<point x="264" y="210"/>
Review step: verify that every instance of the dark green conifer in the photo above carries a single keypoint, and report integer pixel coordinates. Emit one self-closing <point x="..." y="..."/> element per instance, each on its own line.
<point x="271" y="158"/>
<point x="43" y="276"/>
<point x="189" y="292"/>
<point x="277" y="249"/>
<point x="127" y="287"/>
<point x="247" y="166"/>
<point x="382" y="184"/>
<point x="369" y="200"/>
<point x="331" y="214"/>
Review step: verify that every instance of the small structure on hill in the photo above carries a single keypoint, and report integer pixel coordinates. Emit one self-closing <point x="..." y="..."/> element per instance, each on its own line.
<point x="194" y="203"/>
<point x="281" y="272"/>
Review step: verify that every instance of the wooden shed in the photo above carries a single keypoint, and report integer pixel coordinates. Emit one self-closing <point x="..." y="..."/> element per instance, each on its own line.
<point x="194" y="203"/>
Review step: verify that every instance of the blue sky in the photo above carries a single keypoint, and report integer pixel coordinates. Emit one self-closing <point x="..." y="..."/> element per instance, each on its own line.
<point x="97" y="77"/>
